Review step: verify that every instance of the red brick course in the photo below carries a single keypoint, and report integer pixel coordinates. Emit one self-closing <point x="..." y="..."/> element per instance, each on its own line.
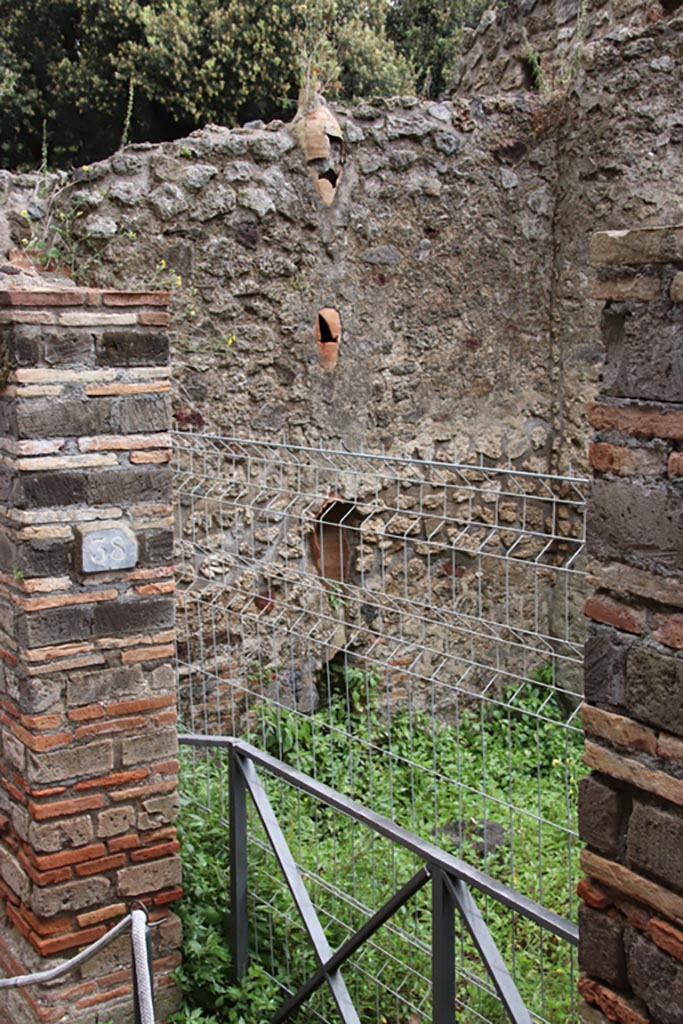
<point x="638" y="421"/>
<point x="667" y="937"/>
<point x="141" y="704"/>
<point x="48" y="947"/>
<point x="138" y="654"/>
<point x="615" y="613"/>
<point x="114" y="779"/>
<point x="670" y="631"/>
<point x="56" y="860"/>
<point x="46" y="298"/>
<point x="613" y="1004"/>
<point x="128" y="842"/>
<point x="136" y="298"/>
<point x="169" y="896"/>
<point x="153" y="852"/>
<point x="101" y="866"/>
<point x="64" y="808"/>
<point x="111" y="725"/>
<point x="104" y="997"/>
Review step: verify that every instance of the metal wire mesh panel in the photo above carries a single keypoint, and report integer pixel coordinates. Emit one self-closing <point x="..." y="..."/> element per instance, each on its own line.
<point x="408" y="632"/>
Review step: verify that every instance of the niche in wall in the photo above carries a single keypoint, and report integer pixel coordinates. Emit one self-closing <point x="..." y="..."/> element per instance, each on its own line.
<point x="333" y="537"/>
<point x="531" y="71"/>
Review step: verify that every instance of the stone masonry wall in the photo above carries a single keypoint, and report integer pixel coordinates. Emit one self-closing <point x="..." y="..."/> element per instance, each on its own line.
<point x="87" y="687"/>
<point x="500" y="52"/>
<point x="454" y="253"/>
<point x="437" y="255"/>
<point x="631" y="805"/>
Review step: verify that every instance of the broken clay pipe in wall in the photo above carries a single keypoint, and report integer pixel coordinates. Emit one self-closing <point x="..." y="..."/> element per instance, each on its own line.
<point x="319" y="135"/>
<point x="328" y="335"/>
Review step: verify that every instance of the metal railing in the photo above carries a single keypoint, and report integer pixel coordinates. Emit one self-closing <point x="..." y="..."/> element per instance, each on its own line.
<point x="408" y="632"/>
<point x="451" y="882"/>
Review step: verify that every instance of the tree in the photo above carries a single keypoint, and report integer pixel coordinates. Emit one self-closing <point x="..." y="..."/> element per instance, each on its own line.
<point x="71" y="65"/>
<point x="343" y="45"/>
<point x="76" y="75"/>
<point x="427" y="32"/>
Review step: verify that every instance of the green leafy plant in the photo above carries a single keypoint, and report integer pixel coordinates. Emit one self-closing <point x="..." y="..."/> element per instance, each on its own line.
<point x="516" y="765"/>
<point x="335" y="595"/>
<point x="533" y="59"/>
<point x="125" y="131"/>
<point x="54" y="243"/>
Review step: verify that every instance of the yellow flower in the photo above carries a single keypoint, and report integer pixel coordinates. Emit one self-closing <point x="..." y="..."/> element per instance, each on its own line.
<point x="24" y="213"/>
<point x="85" y="167"/>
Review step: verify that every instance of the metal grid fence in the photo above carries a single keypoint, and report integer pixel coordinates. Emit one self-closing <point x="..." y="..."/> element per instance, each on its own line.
<point x="409" y="633"/>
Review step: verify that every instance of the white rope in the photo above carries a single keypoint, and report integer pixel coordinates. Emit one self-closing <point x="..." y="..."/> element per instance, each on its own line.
<point x="143" y="979"/>
<point x="56" y="972"/>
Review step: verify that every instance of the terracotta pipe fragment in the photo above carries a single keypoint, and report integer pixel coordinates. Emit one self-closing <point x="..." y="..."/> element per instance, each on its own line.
<point x="319" y="135"/>
<point x="328" y="332"/>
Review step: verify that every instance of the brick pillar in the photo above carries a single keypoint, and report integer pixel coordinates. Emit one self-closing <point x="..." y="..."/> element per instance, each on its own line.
<point x="88" y="746"/>
<point x="631" y="805"/>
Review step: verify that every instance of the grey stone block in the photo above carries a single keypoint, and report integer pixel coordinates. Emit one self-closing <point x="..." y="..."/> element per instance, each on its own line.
<point x="603" y="812"/>
<point x="644" y="357"/>
<point x="637" y="522"/>
<point x="655" y="977"/>
<point x="601" y="946"/>
<point x="654" y="688"/>
<point x="655" y="842"/>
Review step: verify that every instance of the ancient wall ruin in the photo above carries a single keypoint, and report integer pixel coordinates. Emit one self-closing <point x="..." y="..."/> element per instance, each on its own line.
<point x="454" y="253"/>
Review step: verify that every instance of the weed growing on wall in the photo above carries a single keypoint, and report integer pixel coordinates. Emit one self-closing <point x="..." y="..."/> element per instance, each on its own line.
<point x="379" y="768"/>
<point x="556" y="87"/>
<point x="55" y="242"/>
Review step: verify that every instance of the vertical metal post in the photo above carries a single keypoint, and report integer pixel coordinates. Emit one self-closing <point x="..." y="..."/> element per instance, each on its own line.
<point x="239" y="924"/>
<point x="443" y="950"/>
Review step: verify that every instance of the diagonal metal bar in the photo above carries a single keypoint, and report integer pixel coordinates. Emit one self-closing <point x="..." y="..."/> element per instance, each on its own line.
<point x="348" y="948"/>
<point x="304" y="904"/>
<point x="493" y="961"/>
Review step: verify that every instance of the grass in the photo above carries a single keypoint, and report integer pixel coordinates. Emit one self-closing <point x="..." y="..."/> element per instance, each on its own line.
<point x="510" y="763"/>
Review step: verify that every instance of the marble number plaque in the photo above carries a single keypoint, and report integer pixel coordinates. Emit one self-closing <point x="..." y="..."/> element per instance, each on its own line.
<point x="107" y="547"/>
